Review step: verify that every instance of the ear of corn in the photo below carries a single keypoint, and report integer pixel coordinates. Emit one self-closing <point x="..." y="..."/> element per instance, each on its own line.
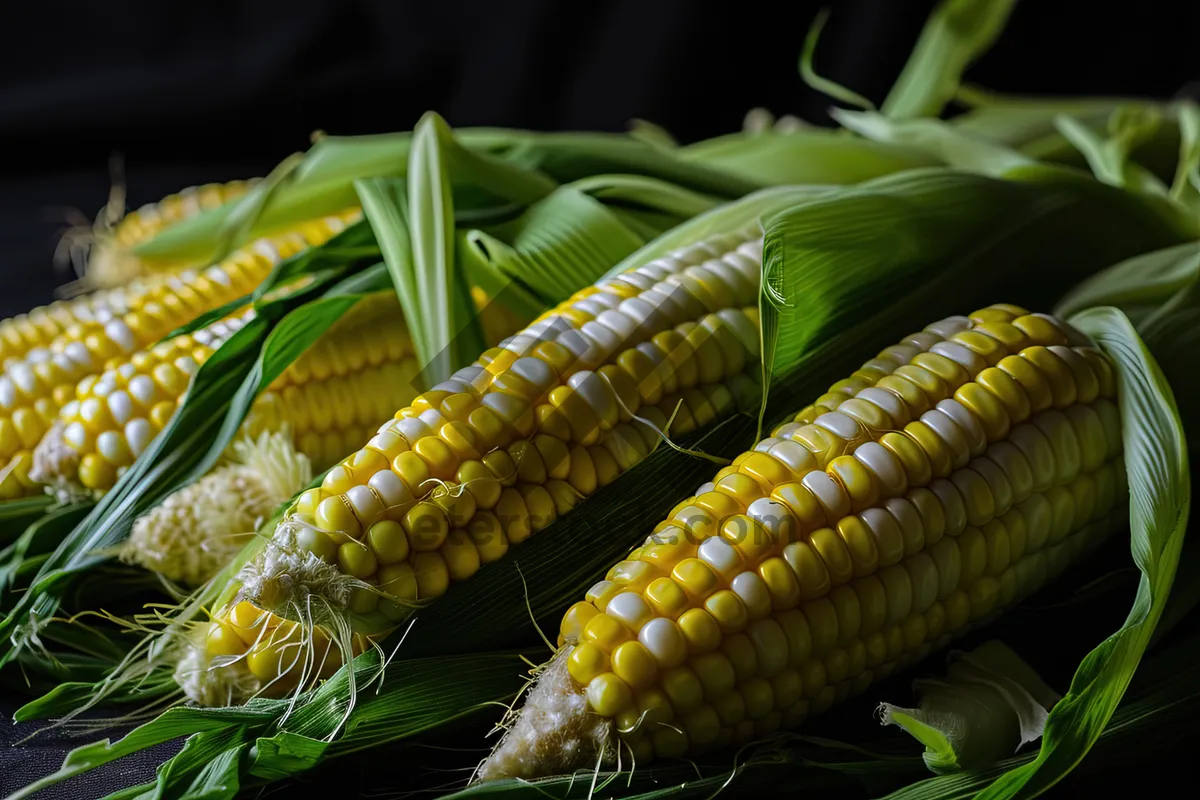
<point x="947" y="478"/>
<point x="34" y="389"/>
<point x="143" y="223"/>
<point x="111" y="261"/>
<point x="484" y="460"/>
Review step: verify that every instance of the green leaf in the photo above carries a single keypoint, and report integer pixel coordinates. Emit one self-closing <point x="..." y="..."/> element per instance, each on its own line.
<point x="814" y="157"/>
<point x="857" y="264"/>
<point x="1110" y="158"/>
<point x="16" y="515"/>
<point x="1187" y="174"/>
<point x="989" y="704"/>
<point x="809" y="75"/>
<point x="726" y="218"/>
<point x="171" y="724"/>
<point x="558" y="246"/>
<point x="1031" y="126"/>
<point x="649" y="194"/>
<point x="1137" y="285"/>
<point x="324" y="181"/>
<point x="416" y="231"/>
<point x="956" y="35"/>
<point x="943" y="142"/>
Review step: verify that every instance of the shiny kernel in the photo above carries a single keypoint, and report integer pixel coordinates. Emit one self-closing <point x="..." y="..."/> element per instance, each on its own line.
<point x="432" y="575"/>
<point x="573" y="622"/>
<point x="700" y="631"/>
<point x="460" y="555"/>
<point x="587" y="661"/>
<point x="413" y="471"/>
<point x="634" y="664"/>
<point x="860" y="541"/>
<point x="608" y="695"/>
<point x="605" y="632"/>
<point x="666" y="597"/>
<point x="356" y="560"/>
<point x="426" y="526"/>
<point x="683" y="688"/>
<point x="728" y="610"/>
<point x="695" y="577"/>
<point x="388" y="541"/>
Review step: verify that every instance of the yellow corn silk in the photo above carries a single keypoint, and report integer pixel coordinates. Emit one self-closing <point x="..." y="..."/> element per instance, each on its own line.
<point x="947" y="479"/>
<point x="481" y="462"/>
<point x="35" y="388"/>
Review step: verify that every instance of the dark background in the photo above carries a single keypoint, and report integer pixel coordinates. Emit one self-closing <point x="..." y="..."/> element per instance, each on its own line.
<point x="193" y="92"/>
<point x="211" y="91"/>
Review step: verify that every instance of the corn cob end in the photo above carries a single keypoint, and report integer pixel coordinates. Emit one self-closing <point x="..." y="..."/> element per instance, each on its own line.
<point x="198" y="529"/>
<point x="554" y="734"/>
<point x="55" y="463"/>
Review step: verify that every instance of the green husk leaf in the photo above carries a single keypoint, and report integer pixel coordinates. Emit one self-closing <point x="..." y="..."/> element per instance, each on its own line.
<point x="1031" y="126"/>
<point x="956" y="35"/>
<point x="1138" y="285"/>
<point x="815" y="157"/>
<point x="16" y="515"/>
<point x="989" y="705"/>
<point x="323" y="182"/>
<point x="809" y="75"/>
<point x="1185" y="187"/>
<point x="351" y="249"/>
<point x="1110" y="158"/>
<point x="559" y="245"/>
<point x="416" y="231"/>
<point x="949" y="145"/>
<point x="915" y="235"/>
<point x="647" y="194"/>
<point x="653" y="134"/>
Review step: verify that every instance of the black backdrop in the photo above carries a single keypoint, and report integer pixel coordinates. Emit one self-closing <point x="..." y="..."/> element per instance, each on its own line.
<point x="202" y="91"/>
<point x="191" y="92"/>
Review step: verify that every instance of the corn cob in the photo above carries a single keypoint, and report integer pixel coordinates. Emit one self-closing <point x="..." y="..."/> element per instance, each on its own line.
<point x="111" y="261"/>
<point x="491" y="456"/>
<point x="948" y="478"/>
<point x="143" y="223"/>
<point x="33" y="389"/>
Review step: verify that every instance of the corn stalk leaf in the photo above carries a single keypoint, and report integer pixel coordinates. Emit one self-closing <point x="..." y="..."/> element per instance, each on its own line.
<point x="956" y="35"/>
